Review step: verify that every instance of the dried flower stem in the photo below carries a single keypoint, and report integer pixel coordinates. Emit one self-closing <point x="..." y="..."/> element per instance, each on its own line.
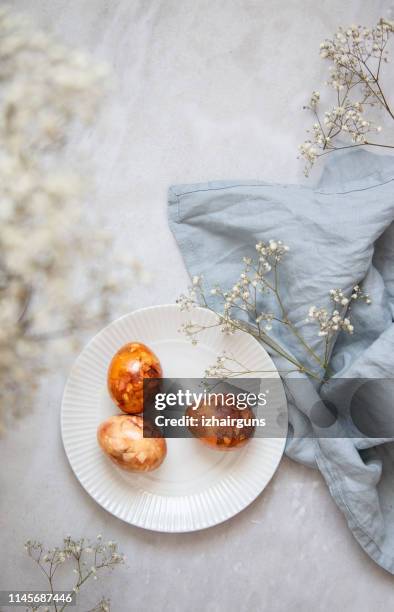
<point x="357" y="55"/>
<point x="79" y="554"/>
<point x="259" y="278"/>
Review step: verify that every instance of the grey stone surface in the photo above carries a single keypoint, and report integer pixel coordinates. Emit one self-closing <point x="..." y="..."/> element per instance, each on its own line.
<point x="203" y="90"/>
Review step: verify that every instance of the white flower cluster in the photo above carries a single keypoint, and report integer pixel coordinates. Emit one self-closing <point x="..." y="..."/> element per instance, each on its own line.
<point x="191" y="330"/>
<point x="240" y="310"/>
<point x="274" y="249"/>
<point x="44" y="289"/>
<point x="86" y="559"/>
<point x="315" y="99"/>
<point x="217" y="369"/>
<point x="309" y="152"/>
<point x="357" y="55"/>
<point x="359" y="294"/>
<point x="367" y="42"/>
<point x="190" y="300"/>
<point x="338" y="297"/>
<point x="332" y="322"/>
<point x="242" y="296"/>
<point x="329" y="322"/>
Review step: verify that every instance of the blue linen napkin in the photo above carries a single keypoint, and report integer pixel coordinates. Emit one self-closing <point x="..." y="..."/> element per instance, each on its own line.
<point x="340" y="233"/>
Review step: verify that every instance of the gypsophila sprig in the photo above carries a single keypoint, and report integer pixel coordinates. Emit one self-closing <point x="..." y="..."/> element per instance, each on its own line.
<point x="331" y="322"/>
<point x="83" y="559"/>
<point x="228" y="366"/>
<point x="357" y="55"/>
<point x="102" y="606"/>
<point x="242" y="310"/>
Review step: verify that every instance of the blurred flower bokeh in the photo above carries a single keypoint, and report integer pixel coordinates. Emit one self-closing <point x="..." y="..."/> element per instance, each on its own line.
<point x="52" y="270"/>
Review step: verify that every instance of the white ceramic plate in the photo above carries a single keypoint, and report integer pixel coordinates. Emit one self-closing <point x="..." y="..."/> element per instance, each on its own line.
<point x="196" y="487"/>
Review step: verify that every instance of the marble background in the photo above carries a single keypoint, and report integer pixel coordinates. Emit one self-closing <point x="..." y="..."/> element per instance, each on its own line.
<point x="205" y="89"/>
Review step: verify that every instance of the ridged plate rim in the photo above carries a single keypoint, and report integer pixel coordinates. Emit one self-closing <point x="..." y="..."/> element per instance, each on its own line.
<point x="201" y="510"/>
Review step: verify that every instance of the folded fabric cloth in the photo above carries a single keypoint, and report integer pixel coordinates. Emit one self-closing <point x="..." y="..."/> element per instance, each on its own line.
<point x="340" y="232"/>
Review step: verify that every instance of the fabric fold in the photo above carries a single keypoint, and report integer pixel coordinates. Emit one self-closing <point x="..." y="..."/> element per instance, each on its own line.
<point x="340" y="233"/>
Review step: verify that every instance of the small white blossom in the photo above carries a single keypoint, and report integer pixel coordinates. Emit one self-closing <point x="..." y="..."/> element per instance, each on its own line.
<point x="330" y="323"/>
<point x="357" y="55"/>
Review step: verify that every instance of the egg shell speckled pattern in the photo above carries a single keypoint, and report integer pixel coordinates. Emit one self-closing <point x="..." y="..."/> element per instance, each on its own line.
<point x="121" y="437"/>
<point x="127" y="370"/>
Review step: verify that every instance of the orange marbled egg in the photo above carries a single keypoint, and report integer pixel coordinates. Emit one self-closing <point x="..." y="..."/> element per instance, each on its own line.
<point x="210" y="430"/>
<point x="127" y="370"/>
<point x="121" y="437"/>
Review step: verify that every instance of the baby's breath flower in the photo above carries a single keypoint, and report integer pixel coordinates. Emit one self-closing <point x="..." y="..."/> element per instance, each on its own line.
<point x="260" y="277"/>
<point x="330" y="324"/>
<point x="357" y="55"/>
<point x="75" y="562"/>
